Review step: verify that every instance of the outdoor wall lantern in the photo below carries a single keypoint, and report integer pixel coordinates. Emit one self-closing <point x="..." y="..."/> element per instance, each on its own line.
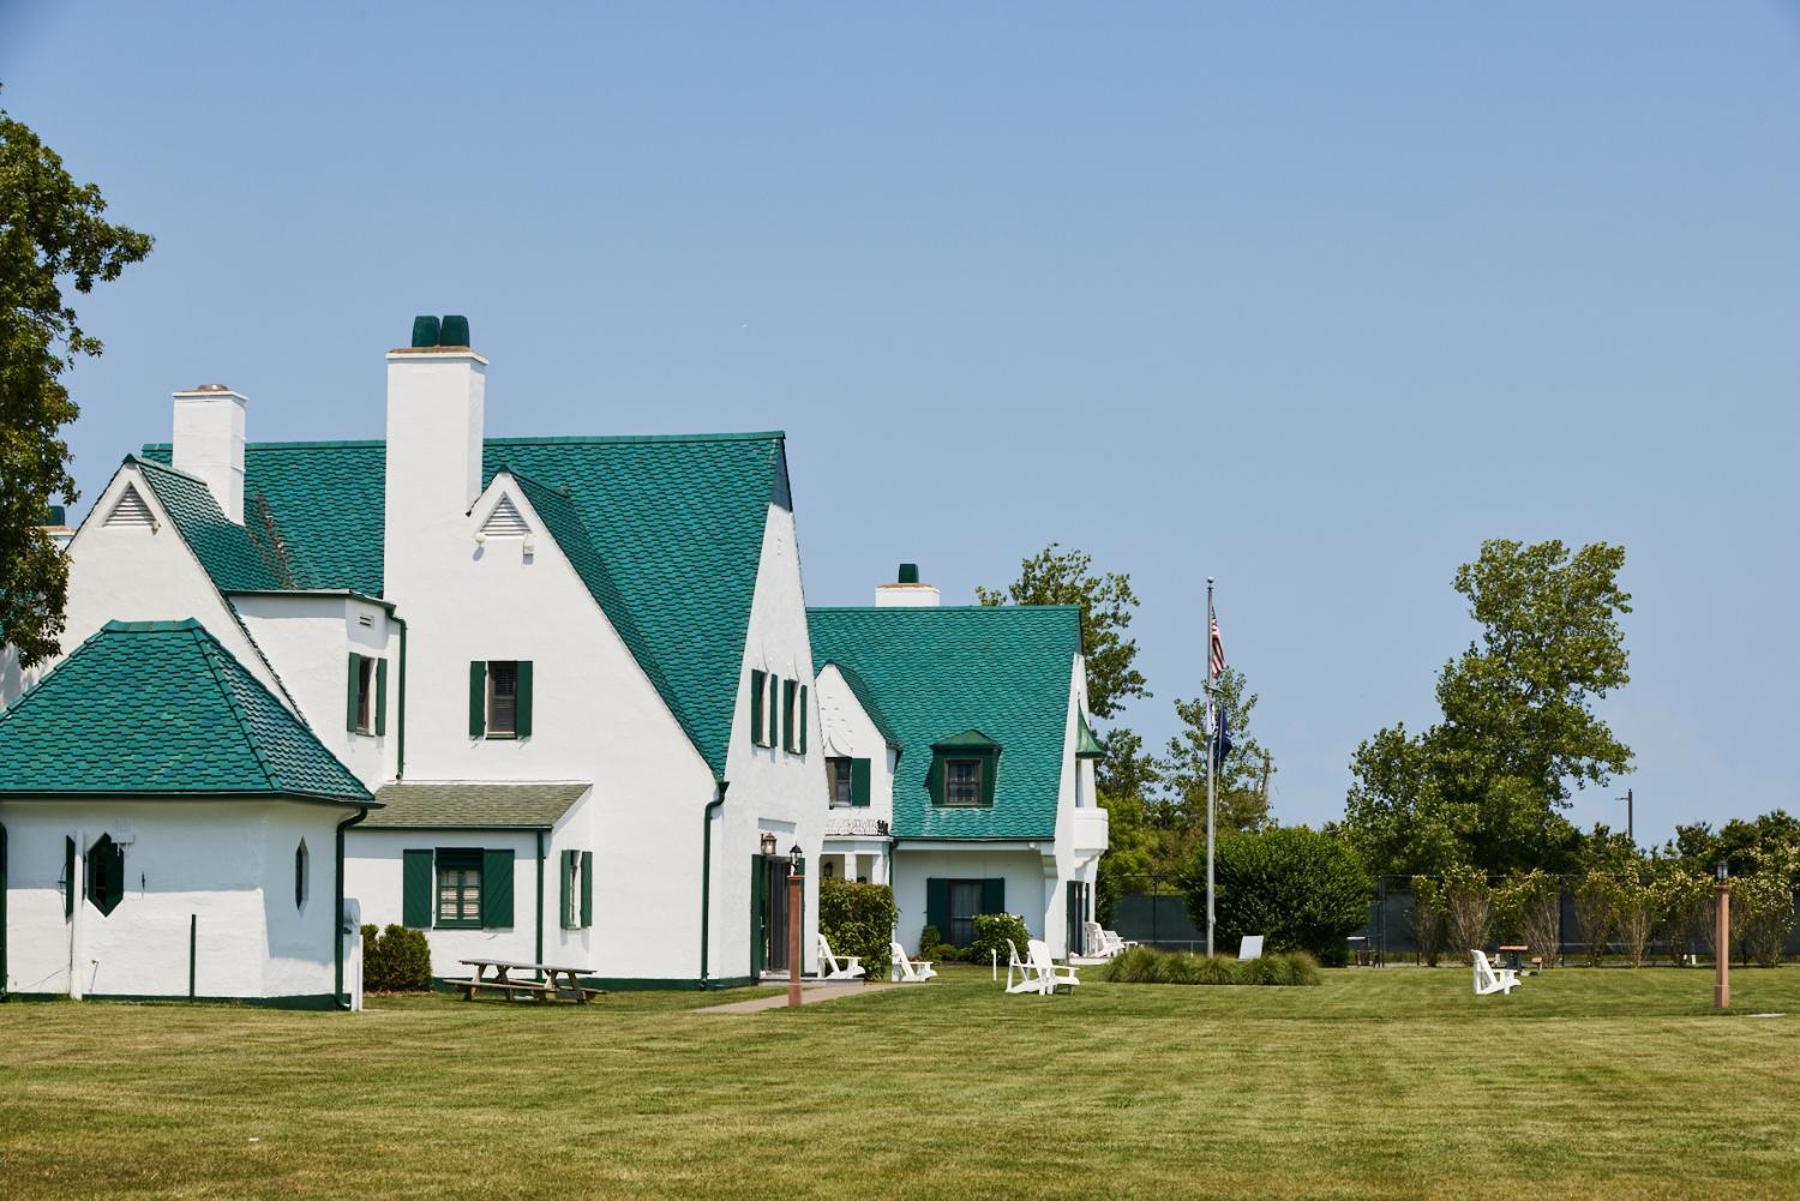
<point x="1723" y="870"/>
<point x="797" y="861"/>
<point x="768" y="845"/>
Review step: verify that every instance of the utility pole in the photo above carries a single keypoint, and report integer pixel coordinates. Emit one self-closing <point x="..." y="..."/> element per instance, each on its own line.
<point x="1630" y="823"/>
<point x="1265" y="784"/>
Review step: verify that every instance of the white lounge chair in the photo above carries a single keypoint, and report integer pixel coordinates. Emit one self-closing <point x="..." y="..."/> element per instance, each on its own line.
<point x="1029" y="978"/>
<point x="1250" y="948"/>
<point x="833" y="968"/>
<point x="1103" y="944"/>
<point x="1489" y="979"/>
<point x="909" y="971"/>
<point x="1116" y="943"/>
<point x="1050" y="976"/>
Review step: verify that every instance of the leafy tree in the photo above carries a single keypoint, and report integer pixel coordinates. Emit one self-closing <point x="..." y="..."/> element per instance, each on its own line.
<point x="51" y="232"/>
<point x="1301" y="889"/>
<point x="1239" y="799"/>
<point x="1058" y="577"/>
<point x="1487" y="784"/>
<point x="1125" y="780"/>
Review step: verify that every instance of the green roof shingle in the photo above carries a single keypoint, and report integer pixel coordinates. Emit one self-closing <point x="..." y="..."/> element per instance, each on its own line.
<point x="161" y="708"/>
<point x="473" y="806"/>
<point x="938" y="673"/>
<point x="674" y="524"/>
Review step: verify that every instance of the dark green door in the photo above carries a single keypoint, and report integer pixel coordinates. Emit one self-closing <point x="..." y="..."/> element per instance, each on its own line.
<point x="759" y="915"/>
<point x="1077" y="909"/>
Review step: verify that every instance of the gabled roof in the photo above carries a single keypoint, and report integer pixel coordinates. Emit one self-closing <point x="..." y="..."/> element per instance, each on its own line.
<point x="676" y="522"/>
<point x="473" y="806"/>
<point x="160" y="708"/>
<point x="230" y="553"/>
<point x="938" y="674"/>
<point x="865" y="696"/>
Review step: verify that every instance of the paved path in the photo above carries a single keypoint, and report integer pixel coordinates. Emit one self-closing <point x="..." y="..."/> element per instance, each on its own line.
<point x="810" y="994"/>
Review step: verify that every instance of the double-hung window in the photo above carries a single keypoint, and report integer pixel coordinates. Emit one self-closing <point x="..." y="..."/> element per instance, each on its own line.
<point x="500" y="698"/>
<point x="365" y="701"/>
<point x="837" y="774"/>
<point x="962" y="781"/>
<point x="458" y="889"/>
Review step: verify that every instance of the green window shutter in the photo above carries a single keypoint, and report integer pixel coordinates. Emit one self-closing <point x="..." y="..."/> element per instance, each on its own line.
<point x="790" y="727"/>
<point x="859" y="782"/>
<point x="477" y="699"/>
<point x="937" y="906"/>
<point x="496" y="889"/>
<point x="522" y="710"/>
<point x="68" y="877"/>
<point x="803" y="719"/>
<point x="380" y="696"/>
<point x="350" y="696"/>
<point x="416" y="889"/>
<point x="587" y="889"/>
<point x="993" y="895"/>
<point x="934" y="779"/>
<point x="569" y="862"/>
<point x="990" y="772"/>
<point x="758" y="680"/>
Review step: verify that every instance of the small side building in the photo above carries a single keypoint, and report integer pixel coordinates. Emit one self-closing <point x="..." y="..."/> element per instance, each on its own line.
<point x="169" y="829"/>
<point x="960" y="761"/>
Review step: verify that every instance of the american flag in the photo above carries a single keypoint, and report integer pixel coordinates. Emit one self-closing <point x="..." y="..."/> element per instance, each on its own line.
<point x="1218" y="651"/>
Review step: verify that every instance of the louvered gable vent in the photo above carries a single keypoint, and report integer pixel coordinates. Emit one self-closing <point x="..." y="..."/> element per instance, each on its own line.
<point x="131" y="510"/>
<point x="505" y="521"/>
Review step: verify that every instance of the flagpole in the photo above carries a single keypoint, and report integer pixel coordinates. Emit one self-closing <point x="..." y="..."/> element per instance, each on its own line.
<point x="1210" y="735"/>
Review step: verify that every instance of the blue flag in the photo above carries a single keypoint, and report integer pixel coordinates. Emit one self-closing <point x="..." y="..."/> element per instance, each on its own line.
<point x="1221" y="741"/>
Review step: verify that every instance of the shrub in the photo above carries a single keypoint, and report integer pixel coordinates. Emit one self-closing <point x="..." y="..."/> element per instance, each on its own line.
<point x="930" y="939"/>
<point x="396" y="960"/>
<point x="858" y="919"/>
<point x="1762" y="913"/>
<point x="944" y="953"/>
<point x="1527" y="908"/>
<point x="1146" y="965"/>
<point x="993" y="931"/>
<point x="1300" y="889"/>
<point x="1683" y="903"/>
<point x="1467" y="901"/>
<point x="1596" y="912"/>
<point x="1431" y="923"/>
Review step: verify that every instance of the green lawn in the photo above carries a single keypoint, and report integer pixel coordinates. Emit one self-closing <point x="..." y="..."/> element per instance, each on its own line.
<point x="1393" y="1083"/>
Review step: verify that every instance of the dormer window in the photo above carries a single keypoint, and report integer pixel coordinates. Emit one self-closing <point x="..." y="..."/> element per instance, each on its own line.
<point x="963" y="771"/>
<point x="962" y="781"/>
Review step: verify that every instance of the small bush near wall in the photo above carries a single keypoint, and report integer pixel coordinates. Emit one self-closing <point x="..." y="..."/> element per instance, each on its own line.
<point x="858" y="919"/>
<point x="1146" y="965"/>
<point x="397" y="960"/>
<point x="993" y="931"/>
<point x="930" y="939"/>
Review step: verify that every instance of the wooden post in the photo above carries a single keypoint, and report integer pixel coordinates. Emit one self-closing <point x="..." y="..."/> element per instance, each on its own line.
<point x="1722" y="950"/>
<point x="795" y="883"/>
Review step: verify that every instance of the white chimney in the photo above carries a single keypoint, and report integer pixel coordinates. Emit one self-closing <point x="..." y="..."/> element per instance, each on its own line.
<point x="209" y="443"/>
<point x="906" y="592"/>
<point x="436" y="398"/>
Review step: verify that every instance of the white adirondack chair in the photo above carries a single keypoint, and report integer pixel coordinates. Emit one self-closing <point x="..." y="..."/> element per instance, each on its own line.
<point x="831" y="967"/>
<point x="1101" y="944"/>
<point x="1489" y="979"/>
<point x="1250" y="948"/>
<point x="1029" y="977"/>
<point x="1116" y="943"/>
<point x="909" y="971"/>
<point x="1050" y="976"/>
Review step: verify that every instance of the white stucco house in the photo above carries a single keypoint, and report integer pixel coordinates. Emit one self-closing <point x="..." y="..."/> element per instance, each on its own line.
<point x="573" y="673"/>
<point x="960" y="761"/>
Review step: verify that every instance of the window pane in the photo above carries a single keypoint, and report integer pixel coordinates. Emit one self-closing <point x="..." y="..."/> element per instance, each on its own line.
<point x="962" y="782"/>
<point x="365" y="675"/>
<point x="840" y="781"/>
<point x="965" y="903"/>
<point x="503" y="697"/>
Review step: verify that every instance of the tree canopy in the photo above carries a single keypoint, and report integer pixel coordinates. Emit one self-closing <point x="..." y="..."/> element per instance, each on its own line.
<point x="51" y="235"/>
<point x="1487" y="784"/>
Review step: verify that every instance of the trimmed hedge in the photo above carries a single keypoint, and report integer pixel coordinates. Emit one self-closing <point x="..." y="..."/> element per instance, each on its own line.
<point x="1300" y="889"/>
<point x="1147" y="965"/>
<point x="858" y="919"/>
<point x="396" y="960"/>
<point x="993" y="931"/>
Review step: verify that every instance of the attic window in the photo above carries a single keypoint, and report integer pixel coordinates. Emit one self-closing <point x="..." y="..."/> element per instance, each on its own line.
<point x="505" y="521"/>
<point x="962" y="782"/>
<point x="131" y="511"/>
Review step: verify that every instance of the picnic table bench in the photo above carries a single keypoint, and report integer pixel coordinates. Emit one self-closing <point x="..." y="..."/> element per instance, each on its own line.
<point x="553" y="980"/>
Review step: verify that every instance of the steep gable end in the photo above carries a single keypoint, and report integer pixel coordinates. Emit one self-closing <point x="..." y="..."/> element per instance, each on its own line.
<point x="131" y="509"/>
<point x="505" y="521"/>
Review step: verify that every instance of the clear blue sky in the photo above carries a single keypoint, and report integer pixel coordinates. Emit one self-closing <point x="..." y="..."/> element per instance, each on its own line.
<point x="1310" y="298"/>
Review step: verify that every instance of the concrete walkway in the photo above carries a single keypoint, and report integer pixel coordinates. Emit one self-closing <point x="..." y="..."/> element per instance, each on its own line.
<point x="810" y="994"/>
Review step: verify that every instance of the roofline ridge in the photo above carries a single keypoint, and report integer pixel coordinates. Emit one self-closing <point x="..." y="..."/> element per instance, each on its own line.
<point x="554" y="439"/>
<point x="208" y="647"/>
<point x="134" y="461"/>
<point x="941" y="608"/>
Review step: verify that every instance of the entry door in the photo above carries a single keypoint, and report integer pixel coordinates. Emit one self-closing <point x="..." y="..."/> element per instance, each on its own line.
<point x="1077" y="915"/>
<point x="775" y="913"/>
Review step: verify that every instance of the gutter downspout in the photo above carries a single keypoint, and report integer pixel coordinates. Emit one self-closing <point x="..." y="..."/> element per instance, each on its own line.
<point x="706" y="879"/>
<point x="540" y="897"/>
<point x="337" y="921"/>
<point x="400" y="760"/>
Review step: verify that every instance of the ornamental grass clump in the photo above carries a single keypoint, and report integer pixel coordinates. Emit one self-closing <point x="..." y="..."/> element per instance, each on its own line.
<point x="1146" y="965"/>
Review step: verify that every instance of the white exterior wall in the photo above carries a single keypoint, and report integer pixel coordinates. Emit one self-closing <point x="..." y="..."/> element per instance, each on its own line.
<point x="771" y="789"/>
<point x="227" y="864"/>
<point x="847" y="731"/>
<point x="1081" y="825"/>
<point x="1031" y="890"/>
<point x="308" y="638"/>
<point x="131" y="573"/>
<point x="596" y="718"/>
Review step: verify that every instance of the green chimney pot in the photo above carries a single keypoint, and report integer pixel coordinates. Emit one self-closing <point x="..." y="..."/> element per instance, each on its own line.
<point x="425" y="332"/>
<point x="909" y="573"/>
<point x="455" y="331"/>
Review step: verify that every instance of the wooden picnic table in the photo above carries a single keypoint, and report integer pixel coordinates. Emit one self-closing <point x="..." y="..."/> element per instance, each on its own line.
<point x="1514" y="956"/>
<point x="543" y="988"/>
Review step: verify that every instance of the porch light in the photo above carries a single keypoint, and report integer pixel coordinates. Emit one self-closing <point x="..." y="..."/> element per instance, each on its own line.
<point x="768" y="845"/>
<point x="797" y="861"/>
<point x="1722" y="870"/>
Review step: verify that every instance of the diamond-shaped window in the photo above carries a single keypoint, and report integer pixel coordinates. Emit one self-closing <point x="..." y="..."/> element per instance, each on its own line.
<point x="105" y="885"/>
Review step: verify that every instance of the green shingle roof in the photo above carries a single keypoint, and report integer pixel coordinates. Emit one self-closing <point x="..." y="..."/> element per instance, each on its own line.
<point x="160" y="707"/>
<point x="674" y="523"/>
<point x="938" y="673"/>
<point x="232" y="556"/>
<point x="473" y="806"/>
